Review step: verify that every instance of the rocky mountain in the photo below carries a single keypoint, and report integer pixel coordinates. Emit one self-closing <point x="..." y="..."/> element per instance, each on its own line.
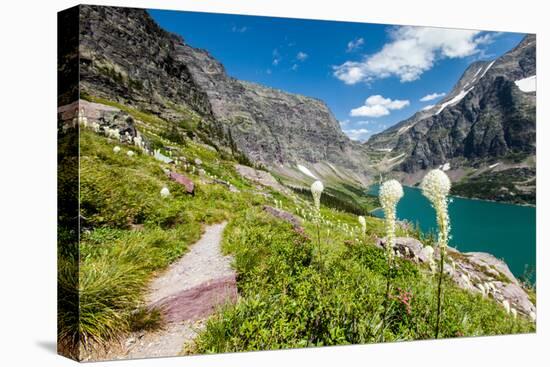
<point x="126" y="57"/>
<point x="485" y="124"/>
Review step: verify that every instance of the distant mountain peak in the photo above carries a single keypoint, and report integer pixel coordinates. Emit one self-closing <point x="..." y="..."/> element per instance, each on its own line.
<point x="486" y="117"/>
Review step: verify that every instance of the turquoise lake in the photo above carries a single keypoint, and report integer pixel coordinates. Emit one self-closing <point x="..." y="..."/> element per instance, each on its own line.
<point x="504" y="230"/>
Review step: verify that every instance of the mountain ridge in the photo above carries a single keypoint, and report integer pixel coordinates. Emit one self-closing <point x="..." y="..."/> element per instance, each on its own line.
<point x="485" y="124"/>
<point x="127" y="57"/>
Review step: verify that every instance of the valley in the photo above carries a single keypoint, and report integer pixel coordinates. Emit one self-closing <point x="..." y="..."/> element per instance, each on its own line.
<point x="189" y="184"/>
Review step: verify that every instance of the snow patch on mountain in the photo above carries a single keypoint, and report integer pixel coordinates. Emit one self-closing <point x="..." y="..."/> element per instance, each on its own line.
<point x="477" y="72"/>
<point x="486" y="70"/>
<point x="306" y="171"/>
<point x="403" y="129"/>
<point x="528" y="84"/>
<point x="454" y="100"/>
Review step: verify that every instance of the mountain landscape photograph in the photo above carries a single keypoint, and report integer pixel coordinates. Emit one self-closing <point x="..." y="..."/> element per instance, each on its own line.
<point x="234" y="183"/>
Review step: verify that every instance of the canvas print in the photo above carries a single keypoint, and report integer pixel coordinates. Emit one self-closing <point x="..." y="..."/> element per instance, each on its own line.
<point x="232" y="183"/>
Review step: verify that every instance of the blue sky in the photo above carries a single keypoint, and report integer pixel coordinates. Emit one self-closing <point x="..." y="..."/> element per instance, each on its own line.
<point x="342" y="63"/>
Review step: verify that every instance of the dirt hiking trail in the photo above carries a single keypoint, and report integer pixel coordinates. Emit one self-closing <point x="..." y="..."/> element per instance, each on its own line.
<point x="186" y="293"/>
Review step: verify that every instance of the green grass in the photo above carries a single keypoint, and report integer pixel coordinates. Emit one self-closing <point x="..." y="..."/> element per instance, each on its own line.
<point x="130" y="232"/>
<point x="289" y="295"/>
<point x="288" y="303"/>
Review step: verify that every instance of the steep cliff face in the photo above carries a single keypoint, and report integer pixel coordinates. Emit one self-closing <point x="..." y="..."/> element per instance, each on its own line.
<point x="487" y="120"/>
<point x="274" y="126"/>
<point x="125" y="56"/>
<point x="485" y="115"/>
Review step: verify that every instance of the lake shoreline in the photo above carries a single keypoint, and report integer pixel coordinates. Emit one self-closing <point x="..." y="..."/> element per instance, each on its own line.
<point x="505" y="230"/>
<point x="466" y="197"/>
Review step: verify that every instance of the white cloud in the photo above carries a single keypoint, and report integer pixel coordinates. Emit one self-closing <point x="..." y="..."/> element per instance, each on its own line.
<point x="411" y="52"/>
<point x="357" y="134"/>
<point x="276" y="57"/>
<point x="355" y="44"/>
<point x="428" y="107"/>
<point x="370" y="111"/>
<point x="377" y="106"/>
<point x="294" y="67"/>
<point x="268" y="71"/>
<point x="301" y="56"/>
<point x="431" y="97"/>
<point x="239" y="29"/>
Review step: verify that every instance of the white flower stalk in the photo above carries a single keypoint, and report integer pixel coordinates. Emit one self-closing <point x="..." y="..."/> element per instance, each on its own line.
<point x="436" y="186"/>
<point x="428" y="251"/>
<point x="390" y="193"/>
<point x="363" y="223"/>
<point x="95" y="126"/>
<point x="82" y="119"/>
<point x="481" y="289"/>
<point x="514" y="313"/>
<point x="116" y="149"/>
<point x="506" y="305"/>
<point x="164" y="192"/>
<point x="316" y="191"/>
<point x="130" y="154"/>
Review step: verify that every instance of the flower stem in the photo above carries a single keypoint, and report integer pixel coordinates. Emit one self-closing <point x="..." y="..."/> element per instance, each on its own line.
<point x="439" y="290"/>
<point x="387" y="297"/>
<point x="319" y="244"/>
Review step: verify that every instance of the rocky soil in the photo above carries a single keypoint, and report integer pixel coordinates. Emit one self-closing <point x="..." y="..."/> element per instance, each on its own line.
<point x="477" y="272"/>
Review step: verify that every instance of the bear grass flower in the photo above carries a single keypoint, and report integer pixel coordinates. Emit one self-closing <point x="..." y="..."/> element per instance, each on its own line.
<point x="165" y="192"/>
<point x="429" y="252"/>
<point x="363" y="223"/>
<point x="390" y="193"/>
<point x="316" y="191"/>
<point x="116" y="149"/>
<point x="436" y="186"/>
<point x="506" y="305"/>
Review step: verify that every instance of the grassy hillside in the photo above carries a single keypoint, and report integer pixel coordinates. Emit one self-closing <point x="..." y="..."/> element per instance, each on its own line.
<point x="295" y="291"/>
<point x="289" y="300"/>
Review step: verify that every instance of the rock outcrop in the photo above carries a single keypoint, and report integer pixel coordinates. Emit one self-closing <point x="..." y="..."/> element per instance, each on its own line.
<point x="473" y="271"/>
<point x="287" y="217"/>
<point x="104" y="120"/>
